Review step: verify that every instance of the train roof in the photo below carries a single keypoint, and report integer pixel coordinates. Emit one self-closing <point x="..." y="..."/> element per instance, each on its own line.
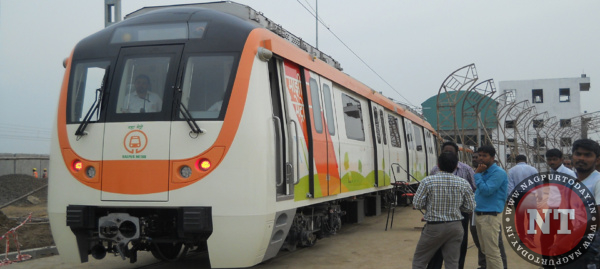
<point x="259" y="20"/>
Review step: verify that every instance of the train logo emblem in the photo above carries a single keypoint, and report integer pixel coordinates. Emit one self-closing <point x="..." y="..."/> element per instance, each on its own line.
<point x="135" y="141"/>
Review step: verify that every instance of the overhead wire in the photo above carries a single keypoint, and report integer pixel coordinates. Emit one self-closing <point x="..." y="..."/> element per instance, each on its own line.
<point x="23" y="132"/>
<point x="359" y="58"/>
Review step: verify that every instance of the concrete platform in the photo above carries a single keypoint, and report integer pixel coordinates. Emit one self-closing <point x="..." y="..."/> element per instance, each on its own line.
<point x="361" y="245"/>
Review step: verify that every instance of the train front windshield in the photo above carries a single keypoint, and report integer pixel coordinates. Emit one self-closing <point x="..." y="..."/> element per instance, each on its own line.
<point x="86" y="82"/>
<point x="145" y="87"/>
<point x="205" y="83"/>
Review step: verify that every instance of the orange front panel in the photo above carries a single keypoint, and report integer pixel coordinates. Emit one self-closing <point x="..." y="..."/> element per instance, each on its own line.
<point x="135" y="177"/>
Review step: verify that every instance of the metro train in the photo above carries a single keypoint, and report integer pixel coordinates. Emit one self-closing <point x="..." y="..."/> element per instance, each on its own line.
<point x="203" y="126"/>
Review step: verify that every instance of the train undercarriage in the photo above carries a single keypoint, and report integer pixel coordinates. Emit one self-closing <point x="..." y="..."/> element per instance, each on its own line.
<point x="313" y="223"/>
<point x="166" y="232"/>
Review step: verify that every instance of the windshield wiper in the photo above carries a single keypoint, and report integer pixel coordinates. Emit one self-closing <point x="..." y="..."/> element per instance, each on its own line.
<point x="95" y="106"/>
<point x="188" y="117"/>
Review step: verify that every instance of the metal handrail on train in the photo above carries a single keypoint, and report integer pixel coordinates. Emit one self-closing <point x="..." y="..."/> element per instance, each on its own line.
<point x="395" y="190"/>
<point x="296" y="153"/>
<point x="280" y="158"/>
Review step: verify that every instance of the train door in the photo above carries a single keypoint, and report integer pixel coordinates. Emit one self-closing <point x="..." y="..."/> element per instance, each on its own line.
<point x="326" y="179"/>
<point x="286" y="135"/>
<point x="420" y="166"/>
<point x="137" y="133"/>
<point x="385" y="165"/>
<point x="356" y="144"/>
<point x="380" y="145"/>
<point x="398" y="158"/>
<point x="430" y="150"/>
<point x="298" y="142"/>
<point x="331" y="132"/>
<point x="411" y="150"/>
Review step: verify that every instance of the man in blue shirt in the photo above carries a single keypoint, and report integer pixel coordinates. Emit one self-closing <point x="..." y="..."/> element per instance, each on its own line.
<point x="519" y="172"/>
<point x="492" y="184"/>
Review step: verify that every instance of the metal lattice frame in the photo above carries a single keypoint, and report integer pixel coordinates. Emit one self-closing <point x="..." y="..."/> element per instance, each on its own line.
<point x="462" y="78"/>
<point x="522" y="138"/>
<point x="509" y="140"/>
<point x="475" y="99"/>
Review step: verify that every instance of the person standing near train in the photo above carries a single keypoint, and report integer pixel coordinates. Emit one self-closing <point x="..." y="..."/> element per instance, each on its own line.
<point x="444" y="196"/>
<point x="464" y="171"/>
<point x="480" y="255"/>
<point x="492" y="184"/>
<point x="554" y="159"/>
<point x="586" y="156"/>
<point x="520" y="171"/>
<point x="516" y="174"/>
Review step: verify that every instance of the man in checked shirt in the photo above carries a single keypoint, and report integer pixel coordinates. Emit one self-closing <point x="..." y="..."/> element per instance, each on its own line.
<point x="464" y="171"/>
<point x="444" y="196"/>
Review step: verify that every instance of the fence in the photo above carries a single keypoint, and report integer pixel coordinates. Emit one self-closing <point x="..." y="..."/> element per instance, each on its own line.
<point x="23" y="163"/>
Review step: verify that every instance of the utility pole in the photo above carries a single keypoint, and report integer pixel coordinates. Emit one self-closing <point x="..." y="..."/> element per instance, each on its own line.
<point x="317" y="20"/>
<point x="584" y="126"/>
<point x="112" y="12"/>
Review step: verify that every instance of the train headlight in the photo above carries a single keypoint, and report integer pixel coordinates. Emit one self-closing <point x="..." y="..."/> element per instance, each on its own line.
<point x="77" y="165"/>
<point x="204" y="165"/>
<point x="90" y="172"/>
<point x="185" y="171"/>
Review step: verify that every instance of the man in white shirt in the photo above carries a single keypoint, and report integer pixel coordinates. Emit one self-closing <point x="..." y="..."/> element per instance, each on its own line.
<point x="142" y="100"/>
<point x="554" y="159"/>
<point x="586" y="155"/>
<point x="551" y="196"/>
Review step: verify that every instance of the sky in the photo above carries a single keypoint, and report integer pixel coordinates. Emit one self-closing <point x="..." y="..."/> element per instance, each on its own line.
<point x="404" y="49"/>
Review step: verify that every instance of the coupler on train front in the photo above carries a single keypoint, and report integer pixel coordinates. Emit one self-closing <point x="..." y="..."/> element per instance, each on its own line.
<point x="166" y="232"/>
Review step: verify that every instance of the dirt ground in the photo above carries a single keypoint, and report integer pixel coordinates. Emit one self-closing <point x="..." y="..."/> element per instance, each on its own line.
<point x="32" y="234"/>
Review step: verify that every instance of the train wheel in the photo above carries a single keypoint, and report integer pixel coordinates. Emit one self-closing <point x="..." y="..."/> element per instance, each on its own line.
<point x="308" y="239"/>
<point x="169" y="251"/>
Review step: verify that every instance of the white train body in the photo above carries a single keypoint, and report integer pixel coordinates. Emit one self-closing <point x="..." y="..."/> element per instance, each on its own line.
<point x="258" y="174"/>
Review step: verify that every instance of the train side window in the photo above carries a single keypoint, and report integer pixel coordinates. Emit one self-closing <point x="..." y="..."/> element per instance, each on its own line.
<point x="395" y="138"/>
<point x="418" y="137"/>
<point x="409" y="139"/>
<point x="87" y="79"/>
<point x="353" y="118"/>
<point x="316" y="105"/>
<point x="205" y="84"/>
<point x="328" y="109"/>
<point x="142" y="86"/>
<point x="428" y="141"/>
<point x="377" y="133"/>
<point x="383" y="127"/>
